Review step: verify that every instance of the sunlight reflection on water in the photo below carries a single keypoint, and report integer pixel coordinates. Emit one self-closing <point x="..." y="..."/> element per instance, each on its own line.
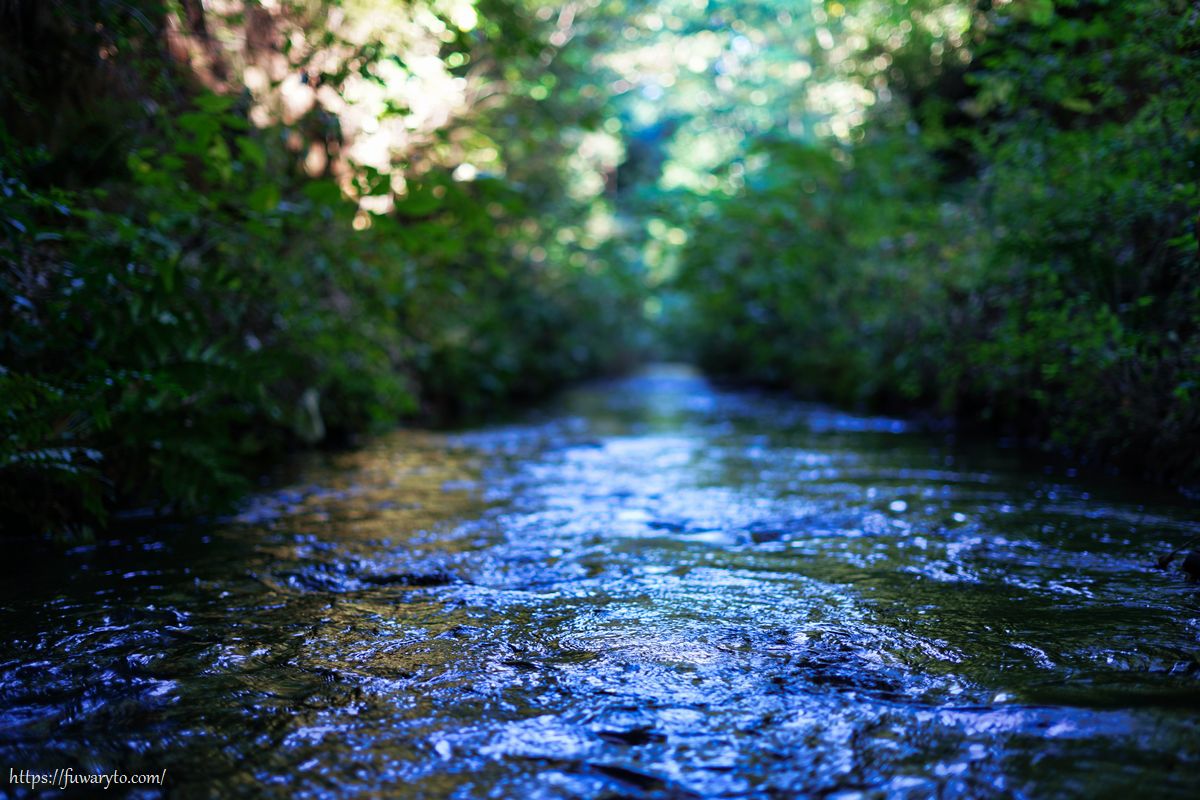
<point x="654" y="588"/>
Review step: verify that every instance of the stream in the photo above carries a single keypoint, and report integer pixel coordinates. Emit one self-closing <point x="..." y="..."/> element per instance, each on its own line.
<point x="650" y="588"/>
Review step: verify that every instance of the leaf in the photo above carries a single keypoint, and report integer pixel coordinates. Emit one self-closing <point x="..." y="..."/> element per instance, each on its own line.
<point x="420" y="201"/>
<point x="252" y="152"/>
<point x="324" y="193"/>
<point x="166" y="273"/>
<point x="1077" y="104"/>
<point x="1041" y="12"/>
<point x="264" y="199"/>
<point x="214" y="103"/>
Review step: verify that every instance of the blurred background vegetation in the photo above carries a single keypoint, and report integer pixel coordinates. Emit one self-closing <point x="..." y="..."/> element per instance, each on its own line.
<point x="995" y="218"/>
<point x="233" y="227"/>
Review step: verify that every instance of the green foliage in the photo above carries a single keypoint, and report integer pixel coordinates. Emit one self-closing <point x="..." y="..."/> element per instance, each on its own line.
<point x="1052" y="288"/>
<point x="202" y="302"/>
<point x="197" y="274"/>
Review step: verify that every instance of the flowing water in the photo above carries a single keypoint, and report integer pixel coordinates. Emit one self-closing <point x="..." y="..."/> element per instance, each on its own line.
<point x="653" y="588"/>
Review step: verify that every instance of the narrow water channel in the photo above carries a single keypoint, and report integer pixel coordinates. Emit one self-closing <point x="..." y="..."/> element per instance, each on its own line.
<point x="652" y="588"/>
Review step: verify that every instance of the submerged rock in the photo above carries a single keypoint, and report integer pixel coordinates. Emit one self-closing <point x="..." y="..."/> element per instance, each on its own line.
<point x="1191" y="565"/>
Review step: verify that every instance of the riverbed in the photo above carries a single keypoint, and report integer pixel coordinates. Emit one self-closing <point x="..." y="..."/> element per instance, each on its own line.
<point x="651" y="587"/>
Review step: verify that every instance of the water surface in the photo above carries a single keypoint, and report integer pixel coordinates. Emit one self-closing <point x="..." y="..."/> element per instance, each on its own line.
<point x="653" y="588"/>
